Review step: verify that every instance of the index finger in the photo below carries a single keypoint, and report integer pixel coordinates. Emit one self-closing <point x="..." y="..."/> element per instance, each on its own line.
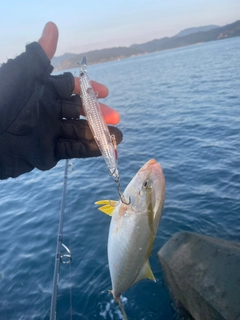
<point x="98" y="87"/>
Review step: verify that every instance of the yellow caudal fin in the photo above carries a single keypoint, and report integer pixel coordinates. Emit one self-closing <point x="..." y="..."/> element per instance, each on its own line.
<point x="121" y="308"/>
<point x="107" y="207"/>
<point x="145" y="273"/>
<point x="118" y="299"/>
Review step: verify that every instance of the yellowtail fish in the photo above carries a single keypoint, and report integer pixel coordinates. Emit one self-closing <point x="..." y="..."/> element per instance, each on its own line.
<point x="133" y="228"/>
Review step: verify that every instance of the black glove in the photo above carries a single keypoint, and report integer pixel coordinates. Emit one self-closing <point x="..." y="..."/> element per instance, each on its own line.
<point x="39" y="117"/>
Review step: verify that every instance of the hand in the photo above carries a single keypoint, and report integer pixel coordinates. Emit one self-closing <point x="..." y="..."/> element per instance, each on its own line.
<point x="48" y="42"/>
<point x="39" y="123"/>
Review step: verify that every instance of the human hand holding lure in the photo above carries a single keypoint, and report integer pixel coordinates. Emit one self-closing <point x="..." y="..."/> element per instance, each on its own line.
<point x="106" y="142"/>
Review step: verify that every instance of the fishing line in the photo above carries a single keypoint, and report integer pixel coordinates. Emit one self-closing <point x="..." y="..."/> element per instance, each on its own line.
<point x="64" y="258"/>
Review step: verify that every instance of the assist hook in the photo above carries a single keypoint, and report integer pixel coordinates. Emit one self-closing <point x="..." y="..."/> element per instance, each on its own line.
<point x="121" y="196"/>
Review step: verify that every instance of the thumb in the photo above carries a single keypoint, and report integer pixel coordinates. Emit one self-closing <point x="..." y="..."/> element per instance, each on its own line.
<point x="49" y="39"/>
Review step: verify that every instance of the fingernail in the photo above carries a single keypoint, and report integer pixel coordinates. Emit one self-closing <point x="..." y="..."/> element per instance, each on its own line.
<point x="47" y="29"/>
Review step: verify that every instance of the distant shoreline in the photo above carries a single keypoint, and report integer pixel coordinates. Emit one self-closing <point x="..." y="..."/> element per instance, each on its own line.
<point x="193" y="36"/>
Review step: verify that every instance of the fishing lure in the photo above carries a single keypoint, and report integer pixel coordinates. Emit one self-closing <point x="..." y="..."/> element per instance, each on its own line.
<point x="106" y="142"/>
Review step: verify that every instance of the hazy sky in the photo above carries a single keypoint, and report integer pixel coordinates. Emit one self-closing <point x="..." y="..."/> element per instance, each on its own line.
<point x="95" y="24"/>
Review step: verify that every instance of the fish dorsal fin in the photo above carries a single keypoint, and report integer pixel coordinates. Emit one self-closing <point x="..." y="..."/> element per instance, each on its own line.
<point x="145" y="273"/>
<point x="107" y="207"/>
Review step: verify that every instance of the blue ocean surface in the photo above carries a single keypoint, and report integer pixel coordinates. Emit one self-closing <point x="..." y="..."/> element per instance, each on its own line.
<point x="181" y="107"/>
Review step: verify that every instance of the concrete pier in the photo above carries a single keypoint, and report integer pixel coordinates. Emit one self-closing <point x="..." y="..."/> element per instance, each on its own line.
<point x="204" y="275"/>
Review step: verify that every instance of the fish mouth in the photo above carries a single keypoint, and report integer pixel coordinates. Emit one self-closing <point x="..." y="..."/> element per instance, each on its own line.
<point x="147" y="165"/>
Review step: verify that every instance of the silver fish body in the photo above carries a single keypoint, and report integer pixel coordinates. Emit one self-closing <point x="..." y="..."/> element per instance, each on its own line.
<point x="133" y="228"/>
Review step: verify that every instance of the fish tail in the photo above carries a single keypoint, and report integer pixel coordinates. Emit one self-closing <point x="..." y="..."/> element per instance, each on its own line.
<point x="122" y="309"/>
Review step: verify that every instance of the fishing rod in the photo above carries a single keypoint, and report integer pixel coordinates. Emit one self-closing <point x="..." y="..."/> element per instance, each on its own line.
<point x="64" y="258"/>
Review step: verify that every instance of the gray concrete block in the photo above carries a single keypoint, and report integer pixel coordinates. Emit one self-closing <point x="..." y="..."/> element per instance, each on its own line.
<point x="203" y="274"/>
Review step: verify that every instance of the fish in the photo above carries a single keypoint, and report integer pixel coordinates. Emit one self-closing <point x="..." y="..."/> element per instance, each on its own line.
<point x="133" y="228"/>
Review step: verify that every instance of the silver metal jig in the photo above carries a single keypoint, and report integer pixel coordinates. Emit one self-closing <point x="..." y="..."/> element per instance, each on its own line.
<point x="107" y="143"/>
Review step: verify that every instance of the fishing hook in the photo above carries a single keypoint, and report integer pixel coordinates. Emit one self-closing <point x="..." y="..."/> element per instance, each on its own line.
<point x="121" y="196"/>
<point x="115" y="173"/>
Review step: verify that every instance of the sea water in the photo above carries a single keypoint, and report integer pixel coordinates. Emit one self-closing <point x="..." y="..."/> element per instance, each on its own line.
<point x="181" y="107"/>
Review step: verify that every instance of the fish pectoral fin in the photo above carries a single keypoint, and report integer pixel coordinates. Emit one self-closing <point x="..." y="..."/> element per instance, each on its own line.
<point x="113" y="202"/>
<point x="145" y="273"/>
<point x="107" y="207"/>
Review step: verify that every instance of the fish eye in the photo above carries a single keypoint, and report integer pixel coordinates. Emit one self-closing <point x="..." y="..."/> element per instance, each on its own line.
<point x="145" y="184"/>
